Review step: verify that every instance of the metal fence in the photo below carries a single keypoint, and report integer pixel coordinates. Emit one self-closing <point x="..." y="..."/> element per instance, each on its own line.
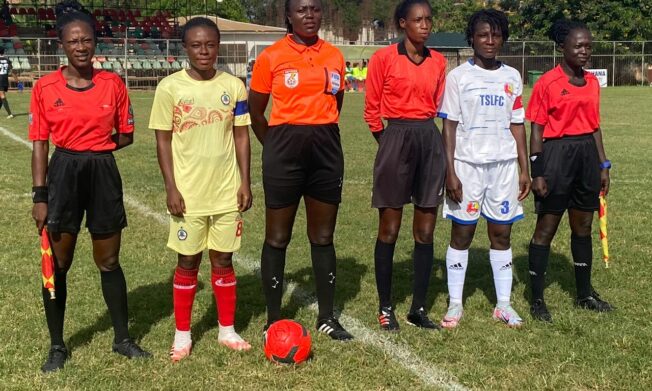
<point x="142" y="63"/>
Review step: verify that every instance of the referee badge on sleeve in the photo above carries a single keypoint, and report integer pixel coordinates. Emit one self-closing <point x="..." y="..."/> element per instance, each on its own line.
<point x="291" y="78"/>
<point x="335" y="82"/>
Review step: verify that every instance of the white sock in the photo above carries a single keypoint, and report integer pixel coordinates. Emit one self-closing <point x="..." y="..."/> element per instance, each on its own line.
<point x="182" y="339"/>
<point x="501" y="264"/>
<point x="227" y="333"/>
<point x="456" y="263"/>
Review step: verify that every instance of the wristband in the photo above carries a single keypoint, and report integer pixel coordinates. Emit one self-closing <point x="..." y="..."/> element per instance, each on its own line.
<point x="605" y="165"/>
<point x="40" y="194"/>
<point x="536" y="165"/>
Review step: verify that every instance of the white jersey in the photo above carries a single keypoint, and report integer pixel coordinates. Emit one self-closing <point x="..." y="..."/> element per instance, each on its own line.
<point x="485" y="103"/>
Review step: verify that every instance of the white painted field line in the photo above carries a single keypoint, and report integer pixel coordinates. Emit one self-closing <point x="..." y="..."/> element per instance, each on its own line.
<point x="429" y="374"/>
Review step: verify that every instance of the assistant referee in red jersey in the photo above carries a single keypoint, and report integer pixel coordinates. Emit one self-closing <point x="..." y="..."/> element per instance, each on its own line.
<point x="569" y="167"/>
<point x="78" y="108"/>
<point x="405" y="85"/>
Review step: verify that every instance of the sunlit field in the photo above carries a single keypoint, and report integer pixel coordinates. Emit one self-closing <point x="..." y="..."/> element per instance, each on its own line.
<point x="580" y="350"/>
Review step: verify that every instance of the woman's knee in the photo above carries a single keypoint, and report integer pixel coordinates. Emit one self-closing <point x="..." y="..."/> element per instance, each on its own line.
<point x="423" y="235"/>
<point x="220" y="259"/>
<point x="189" y="262"/>
<point x="108" y="263"/>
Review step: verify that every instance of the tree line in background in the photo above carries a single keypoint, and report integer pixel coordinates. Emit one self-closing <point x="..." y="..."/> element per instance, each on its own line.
<point x="618" y="20"/>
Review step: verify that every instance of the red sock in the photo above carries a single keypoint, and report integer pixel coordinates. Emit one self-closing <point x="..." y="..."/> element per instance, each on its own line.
<point x="223" y="282"/>
<point x="184" y="287"/>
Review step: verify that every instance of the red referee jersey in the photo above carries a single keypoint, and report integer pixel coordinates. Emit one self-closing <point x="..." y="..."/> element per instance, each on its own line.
<point x="80" y="119"/>
<point x="397" y="88"/>
<point x="562" y="108"/>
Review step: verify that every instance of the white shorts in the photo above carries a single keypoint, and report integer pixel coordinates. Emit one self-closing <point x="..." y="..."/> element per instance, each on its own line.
<point x="190" y="235"/>
<point x="489" y="190"/>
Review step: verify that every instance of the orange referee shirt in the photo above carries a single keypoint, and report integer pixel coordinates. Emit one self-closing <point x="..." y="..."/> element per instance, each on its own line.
<point x="397" y="88"/>
<point x="303" y="81"/>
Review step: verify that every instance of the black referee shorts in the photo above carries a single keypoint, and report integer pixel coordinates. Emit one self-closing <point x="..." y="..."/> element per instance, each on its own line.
<point x="302" y="160"/>
<point x="572" y="174"/>
<point x="410" y="165"/>
<point x="87" y="182"/>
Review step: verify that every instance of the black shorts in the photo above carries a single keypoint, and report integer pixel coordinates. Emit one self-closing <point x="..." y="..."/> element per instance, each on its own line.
<point x="572" y="174"/>
<point x="4" y="87"/>
<point x="302" y="160"/>
<point x="81" y="182"/>
<point x="410" y="165"/>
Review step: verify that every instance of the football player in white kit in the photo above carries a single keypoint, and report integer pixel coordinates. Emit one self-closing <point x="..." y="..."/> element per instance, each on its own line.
<point x="487" y="173"/>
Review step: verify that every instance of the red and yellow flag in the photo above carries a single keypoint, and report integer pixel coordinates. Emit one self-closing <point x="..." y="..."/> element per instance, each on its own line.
<point x="603" y="229"/>
<point x="47" y="264"/>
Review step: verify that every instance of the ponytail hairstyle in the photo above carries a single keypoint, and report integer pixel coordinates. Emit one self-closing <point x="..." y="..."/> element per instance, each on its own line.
<point x="68" y="11"/>
<point x="562" y="27"/>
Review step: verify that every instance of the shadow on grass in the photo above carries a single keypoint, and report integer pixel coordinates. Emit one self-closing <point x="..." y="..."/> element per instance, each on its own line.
<point x="148" y="304"/>
<point x="560" y="271"/>
<point x="251" y="301"/>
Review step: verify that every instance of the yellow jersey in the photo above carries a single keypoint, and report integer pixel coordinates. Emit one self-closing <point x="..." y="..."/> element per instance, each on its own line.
<point x="201" y="116"/>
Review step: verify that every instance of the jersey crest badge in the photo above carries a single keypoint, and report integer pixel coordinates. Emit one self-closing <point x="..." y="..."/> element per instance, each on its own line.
<point x="509" y="89"/>
<point x="473" y="207"/>
<point x="291" y="78"/>
<point x="182" y="234"/>
<point x="226" y="99"/>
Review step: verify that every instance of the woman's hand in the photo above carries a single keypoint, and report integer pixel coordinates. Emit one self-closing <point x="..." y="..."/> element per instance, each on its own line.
<point x="540" y="187"/>
<point x="245" y="199"/>
<point x="40" y="215"/>
<point x="176" y="204"/>
<point x="453" y="187"/>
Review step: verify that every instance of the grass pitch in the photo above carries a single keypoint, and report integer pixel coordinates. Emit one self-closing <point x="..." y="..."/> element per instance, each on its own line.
<point x="580" y="350"/>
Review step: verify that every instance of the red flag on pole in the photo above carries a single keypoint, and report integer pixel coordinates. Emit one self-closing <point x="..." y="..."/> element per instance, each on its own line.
<point x="47" y="264"/>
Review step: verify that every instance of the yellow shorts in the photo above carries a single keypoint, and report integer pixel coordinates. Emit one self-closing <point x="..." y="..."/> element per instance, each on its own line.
<point x="190" y="235"/>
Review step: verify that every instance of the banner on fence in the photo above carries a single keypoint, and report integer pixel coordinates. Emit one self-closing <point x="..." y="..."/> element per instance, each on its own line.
<point x="602" y="76"/>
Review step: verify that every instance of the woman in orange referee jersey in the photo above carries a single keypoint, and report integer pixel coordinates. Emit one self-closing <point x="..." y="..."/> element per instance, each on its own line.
<point x="302" y="155"/>
<point x="78" y="108"/>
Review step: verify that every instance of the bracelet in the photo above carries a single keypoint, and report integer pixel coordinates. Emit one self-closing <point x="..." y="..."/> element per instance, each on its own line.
<point x="605" y="165"/>
<point x="39" y="194"/>
<point x="536" y="165"/>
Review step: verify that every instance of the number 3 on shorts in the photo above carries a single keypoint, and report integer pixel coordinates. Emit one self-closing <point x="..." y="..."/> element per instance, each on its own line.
<point x="505" y="207"/>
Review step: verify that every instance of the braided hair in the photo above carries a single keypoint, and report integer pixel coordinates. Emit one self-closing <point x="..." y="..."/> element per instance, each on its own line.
<point x="497" y="21"/>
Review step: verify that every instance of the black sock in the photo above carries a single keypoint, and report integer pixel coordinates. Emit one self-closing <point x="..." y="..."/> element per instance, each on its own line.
<point x="582" y="250"/>
<point x="114" y="290"/>
<point x="323" y="265"/>
<point x="272" y="266"/>
<point x="5" y="103"/>
<point x="423" y="259"/>
<point x="538" y="260"/>
<point x="384" y="261"/>
<point x="55" y="309"/>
